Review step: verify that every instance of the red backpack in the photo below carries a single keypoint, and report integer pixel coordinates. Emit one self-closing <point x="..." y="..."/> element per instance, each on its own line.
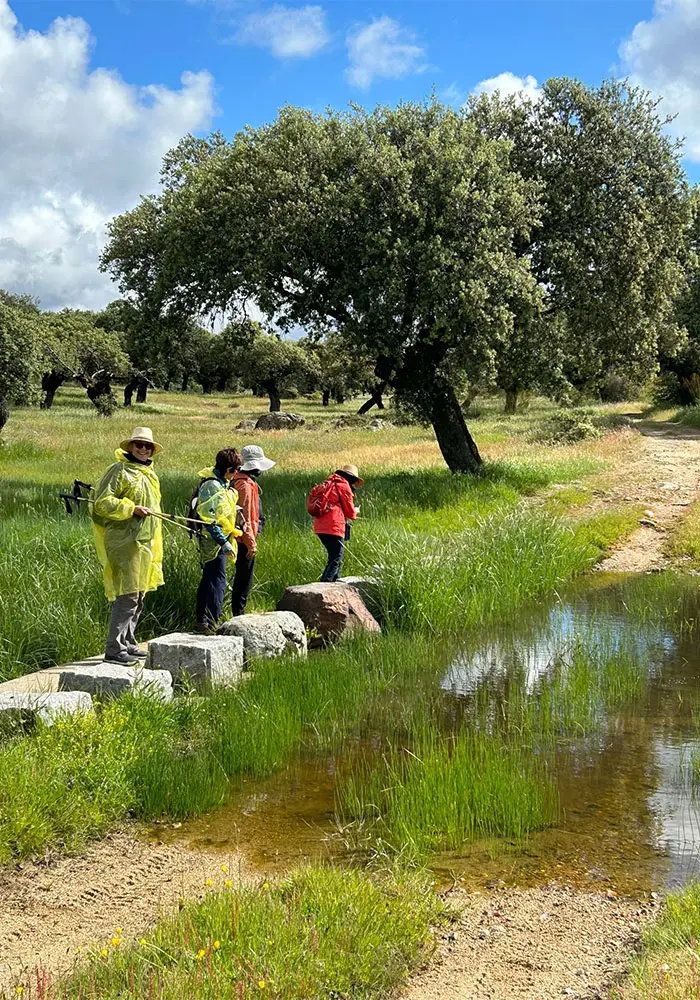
<point x="320" y="502"/>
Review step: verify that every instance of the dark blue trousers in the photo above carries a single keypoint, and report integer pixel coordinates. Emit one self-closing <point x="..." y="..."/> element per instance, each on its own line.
<point x="335" y="547"/>
<point x="212" y="590"/>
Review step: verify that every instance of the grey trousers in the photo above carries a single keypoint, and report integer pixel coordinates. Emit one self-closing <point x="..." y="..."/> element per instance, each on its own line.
<point x="126" y="612"/>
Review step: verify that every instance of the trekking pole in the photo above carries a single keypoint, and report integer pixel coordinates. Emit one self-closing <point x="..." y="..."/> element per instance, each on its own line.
<point x="74" y="497"/>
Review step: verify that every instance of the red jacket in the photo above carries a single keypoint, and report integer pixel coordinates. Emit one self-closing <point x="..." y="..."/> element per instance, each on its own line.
<point x="249" y="501"/>
<point x="343" y="509"/>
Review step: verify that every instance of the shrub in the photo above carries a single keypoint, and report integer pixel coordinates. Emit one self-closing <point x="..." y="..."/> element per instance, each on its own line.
<point x="568" y="427"/>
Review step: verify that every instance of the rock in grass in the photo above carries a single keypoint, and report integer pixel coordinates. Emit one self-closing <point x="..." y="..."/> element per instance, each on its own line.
<point x="280" y="421"/>
<point x="268" y="635"/>
<point x="208" y="660"/>
<point x="329" y="610"/>
<point x="368" y="587"/>
<point x="110" y="680"/>
<point x="26" y="707"/>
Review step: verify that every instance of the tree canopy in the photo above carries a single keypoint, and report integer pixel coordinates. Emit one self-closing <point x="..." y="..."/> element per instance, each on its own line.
<point x="513" y="242"/>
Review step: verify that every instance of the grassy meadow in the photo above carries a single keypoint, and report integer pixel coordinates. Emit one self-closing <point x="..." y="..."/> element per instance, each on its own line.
<point x="453" y="551"/>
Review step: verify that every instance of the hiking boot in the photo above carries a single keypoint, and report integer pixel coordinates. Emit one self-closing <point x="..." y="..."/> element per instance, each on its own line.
<point x="203" y="628"/>
<point x="141" y="654"/>
<point x="122" y="659"/>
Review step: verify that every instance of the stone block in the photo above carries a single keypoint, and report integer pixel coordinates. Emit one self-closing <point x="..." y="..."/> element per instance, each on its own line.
<point x="368" y="587"/>
<point x="207" y="660"/>
<point x="331" y="610"/>
<point x="110" y="680"/>
<point x="26" y="707"/>
<point x="268" y="635"/>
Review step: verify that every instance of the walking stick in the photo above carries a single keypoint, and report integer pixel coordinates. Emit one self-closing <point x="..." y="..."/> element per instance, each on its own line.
<point x="75" y="497"/>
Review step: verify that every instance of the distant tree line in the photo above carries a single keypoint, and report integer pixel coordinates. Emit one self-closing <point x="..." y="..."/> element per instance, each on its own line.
<point x="41" y="351"/>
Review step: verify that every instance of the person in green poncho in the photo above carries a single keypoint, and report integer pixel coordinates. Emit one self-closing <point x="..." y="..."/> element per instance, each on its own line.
<point x="129" y="541"/>
<point x="215" y="503"/>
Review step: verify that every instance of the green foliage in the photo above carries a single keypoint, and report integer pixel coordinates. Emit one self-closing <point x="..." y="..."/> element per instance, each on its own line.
<point x="265" y="362"/>
<point x="568" y="427"/>
<point x="317" y="933"/>
<point x="667" y="966"/>
<point x="20" y="357"/>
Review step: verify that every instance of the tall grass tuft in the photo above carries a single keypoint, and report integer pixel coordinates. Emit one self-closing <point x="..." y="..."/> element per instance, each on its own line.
<point x="318" y="933"/>
<point x="445" y="792"/>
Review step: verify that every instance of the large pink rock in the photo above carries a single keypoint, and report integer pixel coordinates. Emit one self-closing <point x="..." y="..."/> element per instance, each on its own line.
<point x="330" y="610"/>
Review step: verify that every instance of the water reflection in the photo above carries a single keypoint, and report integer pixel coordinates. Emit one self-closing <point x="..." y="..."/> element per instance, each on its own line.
<point x="628" y="819"/>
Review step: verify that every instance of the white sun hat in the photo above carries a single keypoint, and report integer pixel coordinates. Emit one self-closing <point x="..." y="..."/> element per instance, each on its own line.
<point x="254" y="458"/>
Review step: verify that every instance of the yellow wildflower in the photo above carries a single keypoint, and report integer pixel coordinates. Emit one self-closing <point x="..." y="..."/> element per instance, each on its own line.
<point x="209" y="882"/>
<point x="228" y="883"/>
<point x="217" y="945"/>
<point x="224" y="869"/>
<point x="261" y="984"/>
<point x="266" y="885"/>
<point x="143" y="941"/>
<point x="115" y="942"/>
<point x="20" y="989"/>
<point x="118" y="931"/>
<point x="201" y="953"/>
<point x="104" y="953"/>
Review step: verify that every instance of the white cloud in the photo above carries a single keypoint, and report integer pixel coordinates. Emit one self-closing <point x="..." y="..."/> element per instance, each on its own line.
<point x="509" y="85"/>
<point x="382" y="48"/>
<point x="661" y="55"/>
<point x="78" y="146"/>
<point x="288" y="32"/>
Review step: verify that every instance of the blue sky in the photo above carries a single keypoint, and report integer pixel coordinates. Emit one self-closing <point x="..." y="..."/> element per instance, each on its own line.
<point x="92" y="93"/>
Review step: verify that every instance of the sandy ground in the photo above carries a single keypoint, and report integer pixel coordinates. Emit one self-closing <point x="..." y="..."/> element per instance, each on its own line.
<point x="50" y="910"/>
<point x="663" y="476"/>
<point x="533" y="944"/>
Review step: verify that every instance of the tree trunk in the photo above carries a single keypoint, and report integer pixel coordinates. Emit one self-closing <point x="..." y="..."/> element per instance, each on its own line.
<point x="142" y="390"/>
<point x="4" y="411"/>
<point x="274" y="394"/>
<point x="326" y="398"/>
<point x="339" y="398"/>
<point x="206" y="385"/>
<point x="185" y="382"/>
<point x="456" y="443"/>
<point x="128" y="394"/>
<point x="50" y="382"/>
<point x="511" y="401"/>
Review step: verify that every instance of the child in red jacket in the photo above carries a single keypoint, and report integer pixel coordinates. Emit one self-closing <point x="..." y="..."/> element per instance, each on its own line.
<point x="332" y="526"/>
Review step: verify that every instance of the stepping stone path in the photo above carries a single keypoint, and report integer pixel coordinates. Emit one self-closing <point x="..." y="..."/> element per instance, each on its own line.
<point x="110" y="680"/>
<point x="202" y="660"/>
<point x="330" y="610"/>
<point x="49" y="707"/>
<point x="268" y="635"/>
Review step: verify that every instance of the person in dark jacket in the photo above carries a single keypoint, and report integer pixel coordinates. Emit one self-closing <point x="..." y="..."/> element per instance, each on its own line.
<point x="246" y="483"/>
<point x="333" y="526"/>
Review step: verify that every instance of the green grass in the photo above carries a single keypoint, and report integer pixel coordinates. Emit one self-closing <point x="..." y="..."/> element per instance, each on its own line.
<point x="61" y="785"/>
<point x="684" y="542"/>
<point x="446" y="791"/>
<point x="318" y="933"/>
<point x="668" y="964"/>
<point x="482" y="554"/>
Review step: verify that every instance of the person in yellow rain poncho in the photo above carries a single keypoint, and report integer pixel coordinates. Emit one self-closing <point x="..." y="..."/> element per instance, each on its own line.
<point x="215" y="503"/>
<point x="129" y="541"/>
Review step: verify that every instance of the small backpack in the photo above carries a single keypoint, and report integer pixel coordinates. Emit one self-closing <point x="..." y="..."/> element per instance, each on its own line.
<point x="320" y="502"/>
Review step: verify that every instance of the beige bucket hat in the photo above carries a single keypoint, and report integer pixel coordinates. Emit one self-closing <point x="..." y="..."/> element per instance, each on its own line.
<point x="352" y="470"/>
<point x="141" y="434"/>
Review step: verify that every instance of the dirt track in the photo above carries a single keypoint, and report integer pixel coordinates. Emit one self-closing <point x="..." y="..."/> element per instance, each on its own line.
<point x="533" y="944"/>
<point x="49" y="910"/>
<point x="663" y="477"/>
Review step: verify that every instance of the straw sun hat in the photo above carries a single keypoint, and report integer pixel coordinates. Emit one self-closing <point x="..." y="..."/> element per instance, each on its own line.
<point x="352" y="470"/>
<point x="141" y="434"/>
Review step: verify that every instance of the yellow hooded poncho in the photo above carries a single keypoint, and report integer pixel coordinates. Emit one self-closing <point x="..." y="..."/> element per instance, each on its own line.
<point x="216" y="504"/>
<point x="129" y="548"/>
